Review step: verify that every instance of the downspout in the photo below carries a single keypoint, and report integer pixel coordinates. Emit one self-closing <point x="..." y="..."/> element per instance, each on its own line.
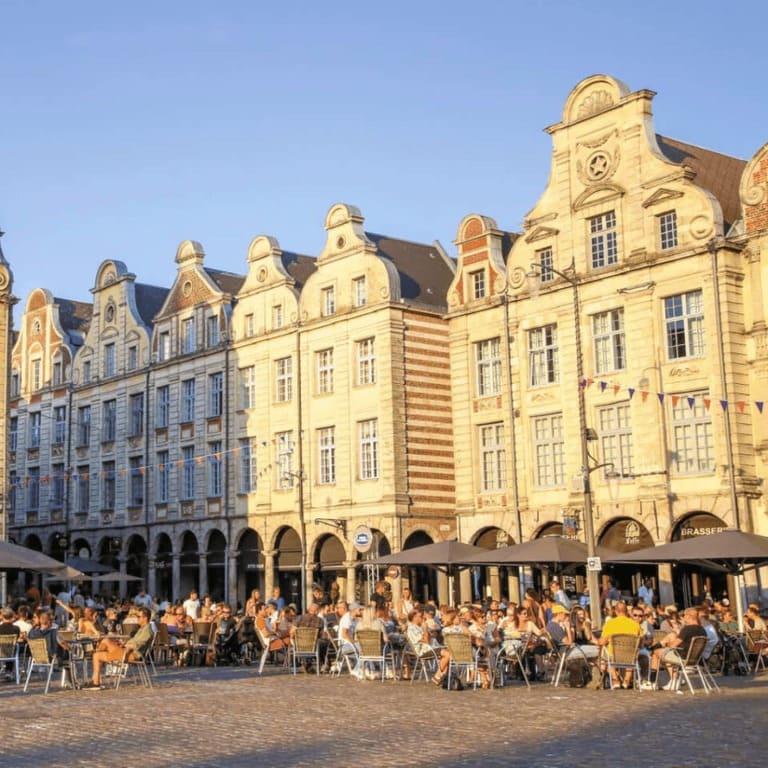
<point x="300" y="457"/>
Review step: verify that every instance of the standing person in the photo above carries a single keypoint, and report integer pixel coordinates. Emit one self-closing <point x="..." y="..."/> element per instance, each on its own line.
<point x="645" y="593"/>
<point x="405" y="606"/>
<point x="192" y="605"/>
<point x="559" y="595"/>
<point x="277" y="598"/>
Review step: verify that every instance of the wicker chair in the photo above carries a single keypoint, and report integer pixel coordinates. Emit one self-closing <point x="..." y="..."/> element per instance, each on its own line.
<point x="9" y="654"/>
<point x="462" y="657"/>
<point x="39" y="659"/>
<point x="305" y="645"/>
<point x="622" y="655"/>
<point x="372" y="650"/>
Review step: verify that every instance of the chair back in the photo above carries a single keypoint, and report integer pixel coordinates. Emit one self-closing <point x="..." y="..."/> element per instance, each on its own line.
<point x="66" y="635"/>
<point x="162" y="637"/>
<point x="460" y="647"/>
<point x="130" y="628"/>
<point x="38" y="650"/>
<point x="624" y="648"/>
<point x="305" y="639"/>
<point x="201" y="631"/>
<point x="8" y="648"/>
<point x="371" y="642"/>
<point x="754" y="638"/>
<point x="659" y="635"/>
<point x="695" y="650"/>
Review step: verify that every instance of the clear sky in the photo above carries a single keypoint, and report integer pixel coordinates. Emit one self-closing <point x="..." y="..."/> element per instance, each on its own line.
<point x="126" y="128"/>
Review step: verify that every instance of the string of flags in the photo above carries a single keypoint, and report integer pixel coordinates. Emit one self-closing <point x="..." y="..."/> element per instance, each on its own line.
<point x="662" y="397"/>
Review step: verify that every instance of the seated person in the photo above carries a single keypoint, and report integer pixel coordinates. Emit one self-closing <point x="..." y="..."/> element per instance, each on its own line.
<point x="110" y="649"/>
<point x="621" y="624"/>
<point x="675" y="647"/>
<point x="56" y="648"/>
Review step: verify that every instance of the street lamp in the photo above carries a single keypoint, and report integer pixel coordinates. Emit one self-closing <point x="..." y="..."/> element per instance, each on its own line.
<point x="588" y="466"/>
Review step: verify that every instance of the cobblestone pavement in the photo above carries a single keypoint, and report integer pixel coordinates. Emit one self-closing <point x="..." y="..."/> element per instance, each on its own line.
<point x="231" y="717"/>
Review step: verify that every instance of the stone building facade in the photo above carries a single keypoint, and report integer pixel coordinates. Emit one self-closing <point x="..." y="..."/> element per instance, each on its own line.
<point x="235" y="431"/>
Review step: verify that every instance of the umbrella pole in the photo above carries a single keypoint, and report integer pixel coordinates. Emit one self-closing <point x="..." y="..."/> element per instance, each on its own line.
<point x="738" y="578"/>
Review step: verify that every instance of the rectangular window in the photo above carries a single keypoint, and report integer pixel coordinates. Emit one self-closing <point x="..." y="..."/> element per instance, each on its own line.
<point x="187" y="400"/>
<point x="250" y="325"/>
<point x="366" y="362"/>
<point x="137" y="481"/>
<point x="326" y="446"/>
<point x="136" y="405"/>
<point x="13" y="433"/>
<point x="693" y="443"/>
<point x="325" y="371"/>
<point x="603" y="242"/>
<point x="35" y="421"/>
<point x="58" y="376"/>
<point x="163" y="406"/>
<point x="549" y="448"/>
<point x="33" y="489"/>
<point x="215" y="394"/>
<point x="163" y="475"/>
<point x="187" y="472"/>
<point x="284" y="379"/>
<point x="488" y="361"/>
<point x="277" y="317"/>
<point x="248" y="387"/>
<point x="109" y="421"/>
<point x="543" y="356"/>
<point x="110" y="360"/>
<point x="493" y="457"/>
<point x="84" y="425"/>
<point x="284" y="445"/>
<point x="57" y="486"/>
<point x="247" y="466"/>
<point x="15" y="384"/>
<point x="108" y="485"/>
<point x="214" y="469"/>
<point x="188" y="336"/>
<point x="13" y="490"/>
<point x="164" y="346"/>
<point x="608" y="336"/>
<point x="360" y="291"/>
<point x="87" y="372"/>
<point x="684" y="320"/>
<point x="133" y="358"/>
<point x="616" y="437"/>
<point x="668" y="230"/>
<point x="368" y="432"/>
<point x="37" y="375"/>
<point x="212" y="331"/>
<point x="83" y="489"/>
<point x="546" y="263"/>
<point x="477" y="283"/>
<point x="329" y="301"/>
<point x="59" y="424"/>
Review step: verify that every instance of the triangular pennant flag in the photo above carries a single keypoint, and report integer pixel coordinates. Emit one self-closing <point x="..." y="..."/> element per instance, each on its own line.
<point x="707" y="402"/>
<point x="660" y="395"/>
<point x="603" y="385"/>
<point x="740" y="405"/>
<point x="199" y="459"/>
<point x="691" y="402"/>
<point x="675" y="400"/>
<point x="631" y="392"/>
<point x="582" y="385"/>
<point x="759" y="404"/>
<point x="590" y="382"/>
<point x="724" y="405"/>
<point x="644" y="396"/>
<point x="616" y="389"/>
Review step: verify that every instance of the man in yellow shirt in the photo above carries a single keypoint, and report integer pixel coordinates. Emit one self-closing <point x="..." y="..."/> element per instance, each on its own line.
<point x="620" y="624"/>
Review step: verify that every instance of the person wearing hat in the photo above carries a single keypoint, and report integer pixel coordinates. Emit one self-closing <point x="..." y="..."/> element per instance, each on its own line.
<point x="559" y="627"/>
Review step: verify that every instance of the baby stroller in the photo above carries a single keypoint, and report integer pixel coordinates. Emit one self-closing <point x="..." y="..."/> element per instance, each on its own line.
<point x="247" y="639"/>
<point x="226" y="644"/>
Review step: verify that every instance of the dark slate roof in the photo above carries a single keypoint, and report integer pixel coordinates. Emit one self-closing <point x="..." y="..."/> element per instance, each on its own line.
<point x="75" y="318"/>
<point x="299" y="267"/>
<point x="718" y="174"/>
<point x="228" y="282"/>
<point x="149" y="301"/>
<point x="424" y="272"/>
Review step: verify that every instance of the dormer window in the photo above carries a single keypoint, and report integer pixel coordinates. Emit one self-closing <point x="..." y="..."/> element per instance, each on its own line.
<point x="329" y="301"/>
<point x="477" y="282"/>
<point x="668" y="230"/>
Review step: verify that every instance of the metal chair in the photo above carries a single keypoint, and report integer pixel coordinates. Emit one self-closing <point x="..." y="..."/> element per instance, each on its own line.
<point x="511" y="657"/>
<point x="305" y="645"/>
<point x="162" y="650"/>
<point x="756" y="646"/>
<point x="133" y="662"/>
<point x="690" y="665"/>
<point x="422" y="664"/>
<point x="462" y="657"/>
<point x="372" y="651"/>
<point x="9" y="654"/>
<point x="39" y="659"/>
<point x="198" y="644"/>
<point x="583" y="655"/>
<point x="621" y="654"/>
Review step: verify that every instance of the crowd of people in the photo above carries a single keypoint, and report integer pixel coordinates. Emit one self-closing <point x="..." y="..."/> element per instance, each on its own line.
<point x="539" y="626"/>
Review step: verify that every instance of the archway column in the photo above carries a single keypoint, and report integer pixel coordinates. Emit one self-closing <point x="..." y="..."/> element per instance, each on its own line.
<point x="175" y="577"/>
<point x="269" y="571"/>
<point x="233" y="588"/>
<point x="203" y="573"/>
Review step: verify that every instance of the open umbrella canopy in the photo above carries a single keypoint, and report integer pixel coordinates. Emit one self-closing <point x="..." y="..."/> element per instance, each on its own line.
<point x="441" y="554"/>
<point x="733" y="550"/>
<point x="14" y="556"/>
<point x="548" y="550"/>
<point x="88" y="566"/>
<point x="115" y="576"/>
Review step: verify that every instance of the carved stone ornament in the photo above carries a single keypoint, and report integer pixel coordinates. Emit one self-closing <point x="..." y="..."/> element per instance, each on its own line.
<point x="597" y="101"/>
<point x="186" y="289"/>
<point x="599" y="166"/>
<point x="517" y="278"/>
<point x="261" y="275"/>
<point x="701" y="227"/>
<point x="754" y="194"/>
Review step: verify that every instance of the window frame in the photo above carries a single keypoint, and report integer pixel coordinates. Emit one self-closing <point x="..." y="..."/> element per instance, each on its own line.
<point x="493" y="458"/>
<point x="609" y="341"/>
<point x="684" y="325"/>
<point x="603" y="240"/>
<point x="543" y="356"/>
<point x="488" y="367"/>
<point x="368" y="449"/>
<point x="548" y="444"/>
<point x="326" y="456"/>
<point x="692" y="434"/>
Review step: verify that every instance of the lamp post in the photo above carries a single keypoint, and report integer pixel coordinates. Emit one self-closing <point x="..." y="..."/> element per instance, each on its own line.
<point x="588" y="466"/>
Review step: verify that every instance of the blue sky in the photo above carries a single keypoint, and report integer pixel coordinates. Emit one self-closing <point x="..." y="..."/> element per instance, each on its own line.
<point x="129" y="127"/>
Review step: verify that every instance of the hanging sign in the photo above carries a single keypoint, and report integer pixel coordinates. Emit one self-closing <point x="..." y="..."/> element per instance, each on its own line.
<point x="362" y="538"/>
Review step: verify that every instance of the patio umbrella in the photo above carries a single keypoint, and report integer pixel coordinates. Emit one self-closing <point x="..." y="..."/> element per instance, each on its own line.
<point x="22" y="558"/>
<point x="115" y="576"/>
<point x="443" y="555"/>
<point x="87" y="566"/>
<point x="548" y="550"/>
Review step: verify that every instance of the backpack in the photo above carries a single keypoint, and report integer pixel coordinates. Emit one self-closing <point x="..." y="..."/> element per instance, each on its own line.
<point x="456" y="684"/>
<point x="579" y="675"/>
